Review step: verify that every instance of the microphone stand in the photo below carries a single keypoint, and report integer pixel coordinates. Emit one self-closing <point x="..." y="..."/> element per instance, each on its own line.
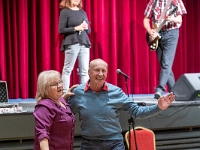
<point x="131" y="121"/>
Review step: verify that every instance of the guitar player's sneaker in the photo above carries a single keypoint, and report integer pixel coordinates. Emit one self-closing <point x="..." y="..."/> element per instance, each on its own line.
<point x="158" y="93"/>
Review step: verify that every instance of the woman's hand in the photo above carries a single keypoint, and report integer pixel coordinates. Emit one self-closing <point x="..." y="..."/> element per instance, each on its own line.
<point x="44" y="144"/>
<point x="83" y="26"/>
<point x="69" y="92"/>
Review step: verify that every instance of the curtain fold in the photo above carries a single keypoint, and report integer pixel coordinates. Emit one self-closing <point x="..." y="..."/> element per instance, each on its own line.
<point x="30" y="43"/>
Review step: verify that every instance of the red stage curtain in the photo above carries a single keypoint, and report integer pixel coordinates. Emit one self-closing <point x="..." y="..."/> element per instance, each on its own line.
<point x="30" y="43"/>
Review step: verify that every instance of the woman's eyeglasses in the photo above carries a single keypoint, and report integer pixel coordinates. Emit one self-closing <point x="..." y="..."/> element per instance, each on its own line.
<point x="57" y="83"/>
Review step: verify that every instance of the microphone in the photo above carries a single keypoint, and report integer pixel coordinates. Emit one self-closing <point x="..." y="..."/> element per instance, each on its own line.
<point x="84" y="21"/>
<point x="120" y="72"/>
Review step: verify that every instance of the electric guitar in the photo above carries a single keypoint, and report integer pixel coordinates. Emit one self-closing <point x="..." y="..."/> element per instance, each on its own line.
<point x="153" y="41"/>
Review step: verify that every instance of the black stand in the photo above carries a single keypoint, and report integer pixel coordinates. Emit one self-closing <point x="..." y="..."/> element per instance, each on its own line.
<point x="131" y="122"/>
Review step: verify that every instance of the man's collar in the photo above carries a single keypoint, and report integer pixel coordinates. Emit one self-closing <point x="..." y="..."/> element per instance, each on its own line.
<point x="87" y="87"/>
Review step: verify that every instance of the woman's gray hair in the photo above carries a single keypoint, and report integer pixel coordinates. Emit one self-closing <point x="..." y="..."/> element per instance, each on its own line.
<point x="43" y="83"/>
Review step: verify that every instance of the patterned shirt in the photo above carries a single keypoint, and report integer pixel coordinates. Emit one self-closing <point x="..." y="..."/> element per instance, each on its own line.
<point x="154" y="12"/>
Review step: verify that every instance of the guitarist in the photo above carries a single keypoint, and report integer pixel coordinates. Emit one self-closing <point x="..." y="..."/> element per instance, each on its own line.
<point x="168" y="40"/>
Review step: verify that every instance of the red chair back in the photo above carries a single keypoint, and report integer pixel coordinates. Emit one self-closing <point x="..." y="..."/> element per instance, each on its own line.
<point x="145" y="139"/>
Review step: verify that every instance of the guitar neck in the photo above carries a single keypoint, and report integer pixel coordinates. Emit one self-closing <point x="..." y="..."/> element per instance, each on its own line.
<point x="164" y="21"/>
<point x="160" y="26"/>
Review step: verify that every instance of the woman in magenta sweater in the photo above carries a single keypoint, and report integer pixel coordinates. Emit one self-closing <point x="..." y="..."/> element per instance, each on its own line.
<point x="54" y="121"/>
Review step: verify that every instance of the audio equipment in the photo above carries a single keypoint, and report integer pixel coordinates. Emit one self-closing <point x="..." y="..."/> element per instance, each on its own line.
<point x="3" y="92"/>
<point x="187" y="87"/>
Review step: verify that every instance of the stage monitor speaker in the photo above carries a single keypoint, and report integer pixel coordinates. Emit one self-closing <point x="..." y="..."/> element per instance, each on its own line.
<point x="187" y="87"/>
<point x="3" y="92"/>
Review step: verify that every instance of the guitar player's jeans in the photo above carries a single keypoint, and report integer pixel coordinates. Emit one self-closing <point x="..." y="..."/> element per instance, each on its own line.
<point x="166" y="53"/>
<point x="73" y="52"/>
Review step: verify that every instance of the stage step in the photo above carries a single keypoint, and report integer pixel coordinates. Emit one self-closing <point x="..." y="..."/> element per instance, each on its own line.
<point x="178" y="140"/>
<point x="26" y="144"/>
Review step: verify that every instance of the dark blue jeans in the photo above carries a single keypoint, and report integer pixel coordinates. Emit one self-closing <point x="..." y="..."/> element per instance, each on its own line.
<point x="166" y="53"/>
<point x="102" y="144"/>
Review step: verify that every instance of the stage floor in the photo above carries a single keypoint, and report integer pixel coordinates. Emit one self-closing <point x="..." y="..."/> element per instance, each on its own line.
<point x="180" y="116"/>
<point x="141" y="99"/>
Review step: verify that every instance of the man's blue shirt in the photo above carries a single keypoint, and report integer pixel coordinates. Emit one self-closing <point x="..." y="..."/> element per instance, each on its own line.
<point x="99" y="111"/>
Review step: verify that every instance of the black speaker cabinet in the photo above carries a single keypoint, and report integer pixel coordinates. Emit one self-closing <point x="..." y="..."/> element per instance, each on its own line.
<point x="3" y="92"/>
<point x="187" y="87"/>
